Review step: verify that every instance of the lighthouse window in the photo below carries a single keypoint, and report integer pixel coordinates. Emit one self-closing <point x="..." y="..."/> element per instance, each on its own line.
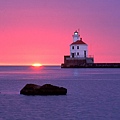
<point x="72" y="47"/>
<point x="77" y="47"/>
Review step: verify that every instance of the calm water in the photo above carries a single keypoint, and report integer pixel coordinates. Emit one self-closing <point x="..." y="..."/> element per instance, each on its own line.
<point x="93" y="94"/>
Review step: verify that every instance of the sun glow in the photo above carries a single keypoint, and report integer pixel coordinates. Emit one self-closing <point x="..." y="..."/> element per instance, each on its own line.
<point x="36" y="64"/>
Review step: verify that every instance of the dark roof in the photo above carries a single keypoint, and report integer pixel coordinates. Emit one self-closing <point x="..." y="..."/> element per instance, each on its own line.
<point x="78" y="42"/>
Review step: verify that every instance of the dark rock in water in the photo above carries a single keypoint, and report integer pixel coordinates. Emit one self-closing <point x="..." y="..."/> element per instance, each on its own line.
<point x="47" y="89"/>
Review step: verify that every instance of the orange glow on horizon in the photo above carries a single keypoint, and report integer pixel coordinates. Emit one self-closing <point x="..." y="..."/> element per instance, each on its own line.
<point x="36" y="65"/>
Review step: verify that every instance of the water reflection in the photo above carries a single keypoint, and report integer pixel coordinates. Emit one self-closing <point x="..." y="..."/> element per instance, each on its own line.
<point x="75" y="72"/>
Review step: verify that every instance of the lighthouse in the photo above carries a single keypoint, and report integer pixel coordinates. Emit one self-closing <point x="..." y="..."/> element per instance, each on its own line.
<point x="78" y="53"/>
<point x="78" y="49"/>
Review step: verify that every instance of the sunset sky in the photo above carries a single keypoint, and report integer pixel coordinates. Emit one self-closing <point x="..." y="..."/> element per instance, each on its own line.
<point x="40" y="31"/>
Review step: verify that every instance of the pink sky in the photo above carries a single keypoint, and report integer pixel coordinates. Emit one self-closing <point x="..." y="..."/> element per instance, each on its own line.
<point x="41" y="30"/>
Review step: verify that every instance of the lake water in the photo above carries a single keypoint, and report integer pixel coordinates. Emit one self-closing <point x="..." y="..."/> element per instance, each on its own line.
<point x="93" y="94"/>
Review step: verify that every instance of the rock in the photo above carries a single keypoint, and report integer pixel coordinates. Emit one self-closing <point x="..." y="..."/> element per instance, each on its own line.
<point x="47" y="89"/>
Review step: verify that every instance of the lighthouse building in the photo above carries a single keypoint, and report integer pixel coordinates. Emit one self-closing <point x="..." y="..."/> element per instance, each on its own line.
<point x="78" y="49"/>
<point x="78" y="53"/>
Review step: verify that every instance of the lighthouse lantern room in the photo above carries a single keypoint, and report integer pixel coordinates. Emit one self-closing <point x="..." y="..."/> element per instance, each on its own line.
<point x="76" y="36"/>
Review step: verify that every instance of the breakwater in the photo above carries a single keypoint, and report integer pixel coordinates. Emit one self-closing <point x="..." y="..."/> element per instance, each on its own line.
<point x="92" y="65"/>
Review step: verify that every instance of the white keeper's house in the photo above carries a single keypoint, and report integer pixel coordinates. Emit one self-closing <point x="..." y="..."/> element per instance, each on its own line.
<point x="78" y="53"/>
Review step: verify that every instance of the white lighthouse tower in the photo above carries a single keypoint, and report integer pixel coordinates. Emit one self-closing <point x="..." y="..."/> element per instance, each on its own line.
<point x="76" y="36"/>
<point x="78" y="49"/>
